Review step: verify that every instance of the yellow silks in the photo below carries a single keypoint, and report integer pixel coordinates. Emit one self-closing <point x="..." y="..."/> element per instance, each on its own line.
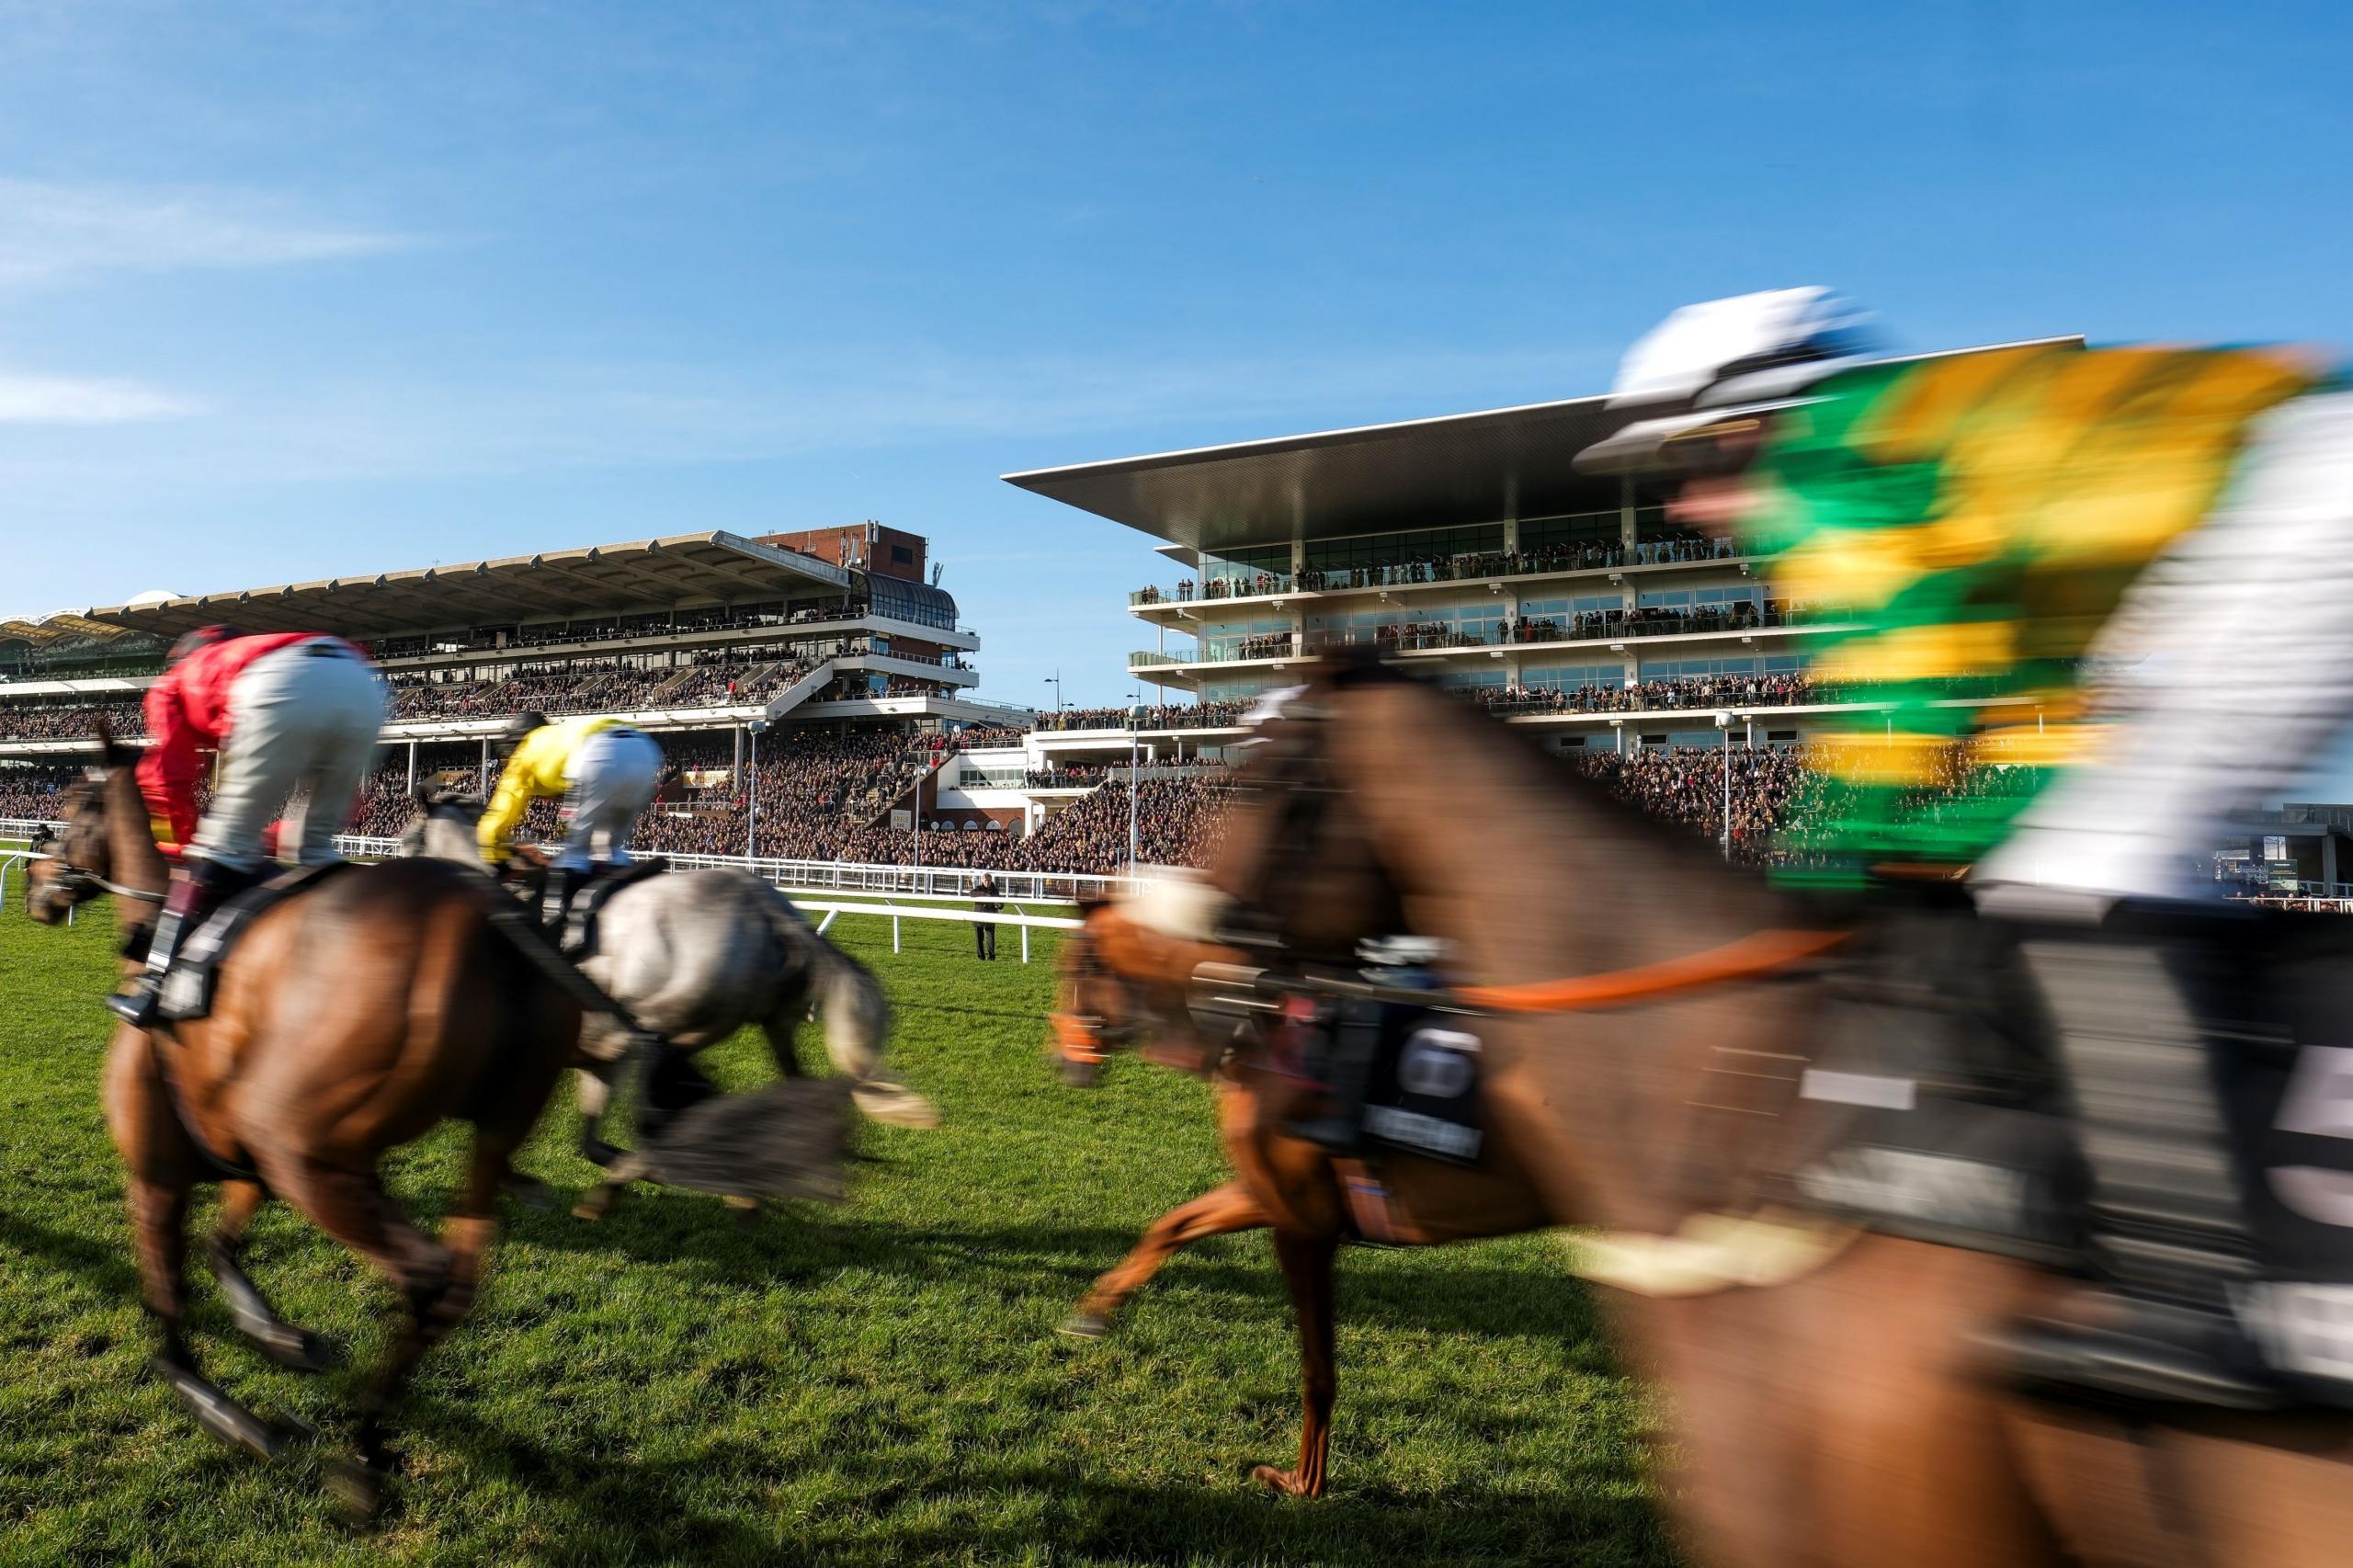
<point x="1935" y="651"/>
<point x="1895" y="757"/>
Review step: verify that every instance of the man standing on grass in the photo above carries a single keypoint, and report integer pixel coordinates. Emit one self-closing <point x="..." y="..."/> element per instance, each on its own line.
<point x="985" y="902"/>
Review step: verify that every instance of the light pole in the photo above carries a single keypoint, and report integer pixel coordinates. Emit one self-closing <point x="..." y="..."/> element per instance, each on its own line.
<point x="1055" y="680"/>
<point x="752" y="813"/>
<point x="1135" y="718"/>
<point x="1724" y="722"/>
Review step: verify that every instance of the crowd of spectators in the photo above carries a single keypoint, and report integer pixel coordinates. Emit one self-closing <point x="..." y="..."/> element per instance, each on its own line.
<point x="1649" y="696"/>
<point x="729" y="678"/>
<point x="60" y="721"/>
<point x="1157" y="716"/>
<point x="1661" y="547"/>
<point x="1685" y="786"/>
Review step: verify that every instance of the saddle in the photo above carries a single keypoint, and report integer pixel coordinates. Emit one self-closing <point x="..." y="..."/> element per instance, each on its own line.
<point x="189" y="987"/>
<point x="1931" y="1110"/>
<point x="578" y="937"/>
<point x="1406" y="1072"/>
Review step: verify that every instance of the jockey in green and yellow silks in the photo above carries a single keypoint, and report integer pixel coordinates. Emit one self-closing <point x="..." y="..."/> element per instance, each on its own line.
<point x="1974" y="521"/>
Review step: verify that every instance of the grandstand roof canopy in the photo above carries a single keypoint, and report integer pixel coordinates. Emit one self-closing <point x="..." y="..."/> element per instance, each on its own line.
<point x="684" y="569"/>
<point x="1420" y="473"/>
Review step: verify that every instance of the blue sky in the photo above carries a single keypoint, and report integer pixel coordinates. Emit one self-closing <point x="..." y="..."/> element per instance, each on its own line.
<point x="291" y="290"/>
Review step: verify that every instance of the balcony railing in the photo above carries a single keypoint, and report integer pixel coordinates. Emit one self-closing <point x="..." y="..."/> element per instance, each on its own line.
<point x="1478" y="568"/>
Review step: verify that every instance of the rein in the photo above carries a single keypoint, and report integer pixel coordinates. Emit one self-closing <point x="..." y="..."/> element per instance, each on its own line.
<point x="74" y="880"/>
<point x="1752" y="957"/>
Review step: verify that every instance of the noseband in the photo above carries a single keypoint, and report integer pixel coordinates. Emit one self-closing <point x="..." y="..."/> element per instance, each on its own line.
<point x="79" y="884"/>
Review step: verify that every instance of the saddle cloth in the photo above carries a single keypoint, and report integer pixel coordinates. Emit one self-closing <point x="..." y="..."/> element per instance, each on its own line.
<point x="195" y="974"/>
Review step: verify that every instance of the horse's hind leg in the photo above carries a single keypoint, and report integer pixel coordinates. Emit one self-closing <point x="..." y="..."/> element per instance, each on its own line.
<point x="282" y="1342"/>
<point x="159" y="1212"/>
<point x="628" y="1166"/>
<point x="1220" y="1212"/>
<point x="594" y="1093"/>
<point x="353" y="1207"/>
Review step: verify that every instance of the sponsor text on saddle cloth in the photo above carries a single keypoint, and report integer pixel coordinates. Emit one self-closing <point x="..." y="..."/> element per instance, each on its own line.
<point x="1919" y="1119"/>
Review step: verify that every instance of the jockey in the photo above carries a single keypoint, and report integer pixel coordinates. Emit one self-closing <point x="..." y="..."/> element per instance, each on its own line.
<point x="606" y="773"/>
<point x="292" y="714"/>
<point x="2125" y="557"/>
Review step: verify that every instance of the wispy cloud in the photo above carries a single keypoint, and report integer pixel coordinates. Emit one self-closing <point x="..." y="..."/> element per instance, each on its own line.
<point x="55" y="233"/>
<point x="77" y="400"/>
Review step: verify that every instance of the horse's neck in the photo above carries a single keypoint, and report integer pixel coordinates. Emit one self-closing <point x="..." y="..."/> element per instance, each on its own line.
<point x="130" y="834"/>
<point x="1533" y="878"/>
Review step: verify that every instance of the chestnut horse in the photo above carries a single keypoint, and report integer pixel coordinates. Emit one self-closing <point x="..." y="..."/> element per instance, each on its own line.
<point x="349" y="1019"/>
<point x="1835" y="1415"/>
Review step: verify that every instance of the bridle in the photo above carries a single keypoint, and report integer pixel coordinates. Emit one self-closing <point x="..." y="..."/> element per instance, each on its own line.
<point x="79" y="884"/>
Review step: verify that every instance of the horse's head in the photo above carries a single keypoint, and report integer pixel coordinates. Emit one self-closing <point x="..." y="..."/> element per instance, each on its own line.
<point x="444" y="827"/>
<point x="1126" y="977"/>
<point x="78" y="862"/>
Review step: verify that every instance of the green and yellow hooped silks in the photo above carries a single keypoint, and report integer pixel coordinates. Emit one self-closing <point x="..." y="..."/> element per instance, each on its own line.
<point x="1976" y="518"/>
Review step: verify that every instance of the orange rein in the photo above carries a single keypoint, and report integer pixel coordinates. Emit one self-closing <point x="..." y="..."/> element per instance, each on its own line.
<point x="1751" y="957"/>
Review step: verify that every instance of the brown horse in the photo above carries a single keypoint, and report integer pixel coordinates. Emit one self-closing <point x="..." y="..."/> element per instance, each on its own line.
<point x="350" y="1019"/>
<point x="1837" y="1416"/>
<point x="1298" y="1189"/>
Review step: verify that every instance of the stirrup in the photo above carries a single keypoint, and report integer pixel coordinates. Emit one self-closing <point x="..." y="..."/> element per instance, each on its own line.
<point x="138" y="1006"/>
<point x="1338" y="1134"/>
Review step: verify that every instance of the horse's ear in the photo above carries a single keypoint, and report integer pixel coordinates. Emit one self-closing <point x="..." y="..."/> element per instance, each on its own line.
<point x="113" y="751"/>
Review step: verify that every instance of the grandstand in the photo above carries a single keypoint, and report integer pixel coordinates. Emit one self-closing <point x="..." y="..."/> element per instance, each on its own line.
<point x="831" y="638"/>
<point x="1469" y="549"/>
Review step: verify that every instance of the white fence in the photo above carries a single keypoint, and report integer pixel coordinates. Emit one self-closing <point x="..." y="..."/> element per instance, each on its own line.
<point x="807" y="882"/>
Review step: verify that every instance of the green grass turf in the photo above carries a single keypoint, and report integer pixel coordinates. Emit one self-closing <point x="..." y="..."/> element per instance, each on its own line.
<point x="878" y="1382"/>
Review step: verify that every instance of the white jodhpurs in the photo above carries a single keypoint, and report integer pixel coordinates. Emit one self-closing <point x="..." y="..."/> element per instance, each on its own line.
<point x="302" y="724"/>
<point x="2228" y="669"/>
<point x="613" y="775"/>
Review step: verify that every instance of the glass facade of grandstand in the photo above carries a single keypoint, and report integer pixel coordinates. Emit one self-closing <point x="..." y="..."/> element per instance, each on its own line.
<point x="1585" y="614"/>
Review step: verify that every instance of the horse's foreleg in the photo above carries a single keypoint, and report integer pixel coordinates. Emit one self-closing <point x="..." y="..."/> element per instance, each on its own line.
<point x="282" y="1342"/>
<point x="1307" y="1270"/>
<point x="159" y="1212"/>
<point x="1218" y="1212"/>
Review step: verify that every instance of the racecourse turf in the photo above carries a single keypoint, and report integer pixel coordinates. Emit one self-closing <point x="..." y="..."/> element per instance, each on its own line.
<point x="876" y="1382"/>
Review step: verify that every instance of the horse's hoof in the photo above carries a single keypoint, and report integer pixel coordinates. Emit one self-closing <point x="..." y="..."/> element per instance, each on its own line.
<point x="529" y="1192"/>
<point x="1083" y="1325"/>
<point x="357" y="1490"/>
<point x="1286" y="1481"/>
<point x="895" y="1107"/>
<point x="1080" y="1074"/>
<point x="584" y="1210"/>
<point x="597" y="1151"/>
<point x="298" y="1349"/>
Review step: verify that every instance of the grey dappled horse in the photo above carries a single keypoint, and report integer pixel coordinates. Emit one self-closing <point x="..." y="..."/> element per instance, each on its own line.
<point x="695" y="955"/>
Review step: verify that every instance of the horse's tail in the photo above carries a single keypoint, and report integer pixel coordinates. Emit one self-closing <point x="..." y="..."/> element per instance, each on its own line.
<point x="857" y="1022"/>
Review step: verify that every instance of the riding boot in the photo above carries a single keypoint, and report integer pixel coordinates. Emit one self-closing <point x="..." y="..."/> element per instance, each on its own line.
<point x="1350" y="1059"/>
<point x="202" y="887"/>
<point x="2132" y="1008"/>
<point x="555" y="905"/>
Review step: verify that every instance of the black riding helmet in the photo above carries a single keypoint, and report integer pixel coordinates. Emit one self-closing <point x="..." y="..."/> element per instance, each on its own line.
<point x="519" y="729"/>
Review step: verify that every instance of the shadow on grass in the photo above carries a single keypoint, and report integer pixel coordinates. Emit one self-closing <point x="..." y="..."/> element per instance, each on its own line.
<point x="976" y="1511"/>
<point x="1058" y="1262"/>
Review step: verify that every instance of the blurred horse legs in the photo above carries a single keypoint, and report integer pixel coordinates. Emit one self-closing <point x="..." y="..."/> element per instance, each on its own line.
<point x="282" y="1342"/>
<point x="596" y="1092"/>
<point x="353" y="1207"/>
<point x="1220" y="1212"/>
<point x="159" y="1212"/>
<point x="1307" y="1270"/>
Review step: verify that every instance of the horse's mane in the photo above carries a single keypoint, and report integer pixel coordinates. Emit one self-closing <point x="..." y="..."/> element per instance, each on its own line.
<point x="1621" y="817"/>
